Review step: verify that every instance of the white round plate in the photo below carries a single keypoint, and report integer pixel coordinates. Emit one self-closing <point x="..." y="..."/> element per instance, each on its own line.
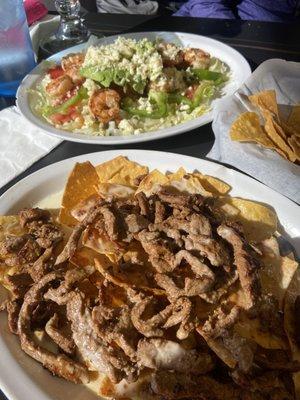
<point x="22" y="378"/>
<point x="240" y="71"/>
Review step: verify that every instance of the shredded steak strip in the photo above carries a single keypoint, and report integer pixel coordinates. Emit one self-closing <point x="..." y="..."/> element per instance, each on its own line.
<point x="176" y="385"/>
<point x="106" y="359"/>
<point x="62" y="337"/>
<point x="162" y="354"/>
<point x="72" y="243"/>
<point x="58" y="364"/>
<point x="245" y="264"/>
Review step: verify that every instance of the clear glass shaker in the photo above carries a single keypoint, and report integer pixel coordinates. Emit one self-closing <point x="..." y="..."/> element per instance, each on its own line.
<point x="16" y="54"/>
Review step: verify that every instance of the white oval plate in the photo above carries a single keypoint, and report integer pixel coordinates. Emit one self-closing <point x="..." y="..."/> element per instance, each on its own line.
<point x="240" y="71"/>
<point x="22" y="378"/>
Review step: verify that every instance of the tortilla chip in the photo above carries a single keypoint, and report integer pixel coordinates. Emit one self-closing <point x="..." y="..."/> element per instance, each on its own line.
<point x="259" y="221"/>
<point x="294" y="142"/>
<point x="289" y="130"/>
<point x="120" y="171"/>
<point x="152" y="182"/>
<point x="265" y="101"/>
<point x="82" y="183"/>
<point x="101" y="243"/>
<point x="10" y="225"/>
<point x="277" y="272"/>
<point x="84" y="258"/>
<point x="212" y="184"/>
<point x="276" y="133"/>
<point x="116" y="190"/>
<point x="250" y="329"/>
<point x="178" y="175"/>
<point x="189" y="184"/>
<point x="246" y="128"/>
<point x="294" y="119"/>
<point x="219" y="349"/>
<point x="110" y="168"/>
<point x="133" y="276"/>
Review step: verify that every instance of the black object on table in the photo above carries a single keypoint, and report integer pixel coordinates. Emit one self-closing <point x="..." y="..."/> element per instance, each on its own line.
<point x="256" y="41"/>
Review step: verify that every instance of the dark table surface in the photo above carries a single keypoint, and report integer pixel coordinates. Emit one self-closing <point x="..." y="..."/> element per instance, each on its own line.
<point x="256" y="41"/>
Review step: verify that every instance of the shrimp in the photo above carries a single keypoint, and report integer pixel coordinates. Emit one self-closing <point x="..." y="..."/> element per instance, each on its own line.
<point x="196" y="58"/>
<point x="60" y="86"/>
<point x="104" y="105"/>
<point x="172" y="56"/>
<point x="71" y="65"/>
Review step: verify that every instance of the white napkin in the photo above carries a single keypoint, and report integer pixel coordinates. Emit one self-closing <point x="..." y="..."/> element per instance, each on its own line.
<point x="21" y="144"/>
<point x="263" y="164"/>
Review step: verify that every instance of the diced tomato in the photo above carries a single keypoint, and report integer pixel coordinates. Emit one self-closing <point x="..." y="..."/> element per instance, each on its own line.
<point x="60" y="119"/>
<point x="55" y="72"/>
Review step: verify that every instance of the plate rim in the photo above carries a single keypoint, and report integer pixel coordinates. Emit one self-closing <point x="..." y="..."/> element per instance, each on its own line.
<point x="13" y="384"/>
<point x="24" y="107"/>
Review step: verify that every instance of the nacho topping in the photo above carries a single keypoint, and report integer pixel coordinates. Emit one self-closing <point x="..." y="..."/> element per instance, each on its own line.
<point x="173" y="290"/>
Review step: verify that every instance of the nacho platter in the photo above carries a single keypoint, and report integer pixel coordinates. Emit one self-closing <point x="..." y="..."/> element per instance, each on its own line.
<point x="222" y="192"/>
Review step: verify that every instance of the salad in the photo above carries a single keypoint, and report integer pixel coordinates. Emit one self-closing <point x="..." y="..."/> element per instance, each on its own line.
<point x="129" y="87"/>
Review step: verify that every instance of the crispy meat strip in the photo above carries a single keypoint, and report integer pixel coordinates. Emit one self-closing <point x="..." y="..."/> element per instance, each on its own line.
<point x="58" y="364"/>
<point x="162" y="354"/>
<point x="158" y="249"/>
<point x="220" y="321"/>
<point x="62" y="293"/>
<point x="170" y="232"/>
<point x="106" y="359"/>
<point x="74" y="238"/>
<point x="197" y="266"/>
<point x="173" y="314"/>
<point x="175" y="200"/>
<point x="246" y="266"/>
<point x="200" y="225"/>
<point x="136" y="223"/>
<point x="39" y="224"/>
<point x="195" y="224"/>
<point x="42" y="266"/>
<point x="28" y="215"/>
<point x="175" y="385"/>
<point x="160" y="212"/>
<point x="208" y="247"/>
<point x="150" y="327"/>
<point x="19" y="250"/>
<point x="115" y="325"/>
<point x="13" y="308"/>
<point x="62" y="337"/>
<point x="143" y="204"/>
<point x="111" y="222"/>
<point x="18" y="284"/>
<point x="192" y="286"/>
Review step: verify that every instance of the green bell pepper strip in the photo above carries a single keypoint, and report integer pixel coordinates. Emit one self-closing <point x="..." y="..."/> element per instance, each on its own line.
<point x="205" y="74"/>
<point x="180" y="99"/>
<point x="204" y="91"/>
<point x="158" y="98"/>
<point x="63" y="108"/>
